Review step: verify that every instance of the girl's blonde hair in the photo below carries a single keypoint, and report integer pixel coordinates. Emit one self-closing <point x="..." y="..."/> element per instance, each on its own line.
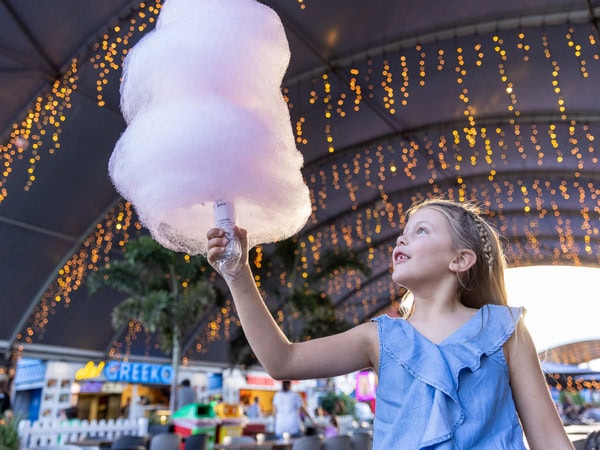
<point x="483" y="283"/>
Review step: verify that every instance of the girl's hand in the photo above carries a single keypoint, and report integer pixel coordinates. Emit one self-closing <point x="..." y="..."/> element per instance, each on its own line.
<point x="217" y="246"/>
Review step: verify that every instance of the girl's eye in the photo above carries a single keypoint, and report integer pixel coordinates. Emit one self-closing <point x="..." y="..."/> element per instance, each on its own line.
<point x="421" y="230"/>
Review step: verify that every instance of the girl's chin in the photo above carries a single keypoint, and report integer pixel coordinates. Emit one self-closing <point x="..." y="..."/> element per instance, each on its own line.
<point x="398" y="281"/>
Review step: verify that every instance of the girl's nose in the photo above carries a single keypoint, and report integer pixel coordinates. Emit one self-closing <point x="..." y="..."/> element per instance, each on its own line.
<point x="401" y="240"/>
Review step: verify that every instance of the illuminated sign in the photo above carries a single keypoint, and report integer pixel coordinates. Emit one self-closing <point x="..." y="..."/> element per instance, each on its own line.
<point x="90" y="387"/>
<point x="215" y="381"/>
<point x="366" y="386"/>
<point x="90" y="370"/>
<point x="138" y="372"/>
<point x="99" y="387"/>
<point x="260" y="380"/>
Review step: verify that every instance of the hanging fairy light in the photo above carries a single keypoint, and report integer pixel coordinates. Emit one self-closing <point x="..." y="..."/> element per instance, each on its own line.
<point x="39" y="131"/>
<point x="113" y="46"/>
<point x="380" y="179"/>
<point x="499" y="143"/>
<point x="95" y="251"/>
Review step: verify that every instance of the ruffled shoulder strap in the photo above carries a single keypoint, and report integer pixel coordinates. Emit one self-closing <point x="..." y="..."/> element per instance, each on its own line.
<point x="484" y="334"/>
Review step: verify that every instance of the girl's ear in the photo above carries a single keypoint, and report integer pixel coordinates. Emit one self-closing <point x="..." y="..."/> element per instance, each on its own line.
<point x="463" y="260"/>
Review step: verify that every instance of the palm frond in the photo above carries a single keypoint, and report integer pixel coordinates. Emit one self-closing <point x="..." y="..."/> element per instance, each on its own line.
<point x="166" y="290"/>
<point x="157" y="309"/>
<point x="286" y="252"/>
<point x="145" y="249"/>
<point x="119" y="275"/>
<point x="192" y="304"/>
<point x="124" y="312"/>
<point x="324" y="322"/>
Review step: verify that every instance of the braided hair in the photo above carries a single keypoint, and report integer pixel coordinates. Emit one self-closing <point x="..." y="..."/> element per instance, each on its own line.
<point x="483" y="283"/>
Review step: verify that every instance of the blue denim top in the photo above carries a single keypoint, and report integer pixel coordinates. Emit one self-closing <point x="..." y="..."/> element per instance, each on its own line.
<point x="452" y="395"/>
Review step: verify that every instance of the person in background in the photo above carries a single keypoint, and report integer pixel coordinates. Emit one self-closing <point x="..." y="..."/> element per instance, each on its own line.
<point x="67" y="416"/>
<point x="457" y="370"/>
<point x="254" y="411"/>
<point x="5" y="405"/>
<point x="590" y="414"/>
<point x="332" y="429"/>
<point x="185" y="394"/>
<point x="570" y="410"/>
<point x="287" y="409"/>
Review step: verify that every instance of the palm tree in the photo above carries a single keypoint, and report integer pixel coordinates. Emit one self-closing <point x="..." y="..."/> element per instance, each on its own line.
<point x="167" y="292"/>
<point x="301" y="296"/>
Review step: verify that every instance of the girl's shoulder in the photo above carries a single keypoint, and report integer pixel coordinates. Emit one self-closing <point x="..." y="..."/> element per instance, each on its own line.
<point x="385" y="318"/>
<point x="514" y="313"/>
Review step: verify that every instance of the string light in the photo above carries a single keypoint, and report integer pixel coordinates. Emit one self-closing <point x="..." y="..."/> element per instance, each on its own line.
<point x="556" y="152"/>
<point x="40" y="129"/>
<point x="43" y="122"/>
<point x="94" y="252"/>
<point x="110" y="51"/>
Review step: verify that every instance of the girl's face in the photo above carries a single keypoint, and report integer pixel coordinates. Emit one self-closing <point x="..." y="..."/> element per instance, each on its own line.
<point x="424" y="250"/>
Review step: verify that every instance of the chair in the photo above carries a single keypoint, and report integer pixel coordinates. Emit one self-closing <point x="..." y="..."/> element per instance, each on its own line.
<point x="313" y="442"/>
<point x="592" y="442"/>
<point x="135" y="447"/>
<point x="361" y="441"/>
<point x="125" y="442"/>
<point x="165" y="441"/>
<point x="341" y="442"/>
<point x="196" y="442"/>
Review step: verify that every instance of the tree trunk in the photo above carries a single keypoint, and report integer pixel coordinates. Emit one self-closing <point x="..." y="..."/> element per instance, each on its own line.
<point x="175" y="362"/>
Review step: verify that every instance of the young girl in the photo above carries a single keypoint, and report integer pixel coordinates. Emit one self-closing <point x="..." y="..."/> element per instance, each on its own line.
<point x="458" y="371"/>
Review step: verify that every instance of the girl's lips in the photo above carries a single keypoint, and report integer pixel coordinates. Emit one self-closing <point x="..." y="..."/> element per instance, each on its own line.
<point x="400" y="256"/>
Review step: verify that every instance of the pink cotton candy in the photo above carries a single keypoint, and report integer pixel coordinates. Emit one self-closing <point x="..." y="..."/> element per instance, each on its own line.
<point x="207" y="122"/>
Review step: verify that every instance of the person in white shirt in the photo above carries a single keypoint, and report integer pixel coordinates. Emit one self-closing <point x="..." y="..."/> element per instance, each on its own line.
<point x="287" y="407"/>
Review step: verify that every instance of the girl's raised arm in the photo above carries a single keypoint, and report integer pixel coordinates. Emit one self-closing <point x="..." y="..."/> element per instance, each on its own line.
<point x="539" y="416"/>
<point x="319" y="358"/>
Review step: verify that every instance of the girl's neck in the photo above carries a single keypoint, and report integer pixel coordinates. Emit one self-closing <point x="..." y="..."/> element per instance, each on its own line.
<point x="439" y="298"/>
<point x="438" y="319"/>
<point x="429" y="307"/>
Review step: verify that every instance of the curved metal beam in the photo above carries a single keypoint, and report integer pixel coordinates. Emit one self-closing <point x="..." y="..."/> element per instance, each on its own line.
<point x="44" y="287"/>
<point x="594" y="15"/>
<point x="51" y="70"/>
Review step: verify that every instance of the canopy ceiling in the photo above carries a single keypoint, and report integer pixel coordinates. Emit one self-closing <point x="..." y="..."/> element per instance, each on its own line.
<point x="573" y="353"/>
<point x="390" y="101"/>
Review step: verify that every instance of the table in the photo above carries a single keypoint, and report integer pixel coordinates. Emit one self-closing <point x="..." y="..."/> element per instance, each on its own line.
<point x="266" y="445"/>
